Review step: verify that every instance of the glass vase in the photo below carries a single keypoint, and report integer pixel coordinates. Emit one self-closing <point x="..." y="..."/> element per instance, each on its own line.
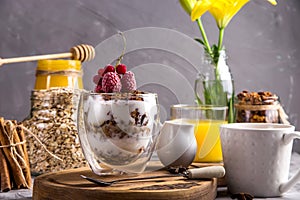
<point x="214" y="85"/>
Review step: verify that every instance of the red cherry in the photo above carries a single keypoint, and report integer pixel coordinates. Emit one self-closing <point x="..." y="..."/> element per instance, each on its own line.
<point x="108" y="68"/>
<point x="121" y="69"/>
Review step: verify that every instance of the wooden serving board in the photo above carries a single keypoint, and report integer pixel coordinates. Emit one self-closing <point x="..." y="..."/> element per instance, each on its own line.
<point x="69" y="185"/>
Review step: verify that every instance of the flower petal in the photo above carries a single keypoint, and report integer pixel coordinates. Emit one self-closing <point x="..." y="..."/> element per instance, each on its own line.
<point x="200" y="8"/>
<point x="224" y="10"/>
<point x="273" y="2"/>
<point x="188" y="5"/>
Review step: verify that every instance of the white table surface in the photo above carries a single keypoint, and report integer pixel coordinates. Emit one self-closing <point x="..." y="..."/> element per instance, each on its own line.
<point x="293" y="194"/>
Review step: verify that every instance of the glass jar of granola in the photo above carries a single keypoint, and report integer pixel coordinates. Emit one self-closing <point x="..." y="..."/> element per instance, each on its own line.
<point x="53" y="144"/>
<point x="259" y="107"/>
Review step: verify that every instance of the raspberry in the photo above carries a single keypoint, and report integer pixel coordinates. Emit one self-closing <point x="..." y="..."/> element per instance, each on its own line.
<point x="128" y="82"/>
<point x="121" y="69"/>
<point x="108" y="68"/>
<point x="111" y="82"/>
<point x="101" y="71"/>
<point x="96" y="79"/>
<point x="98" y="89"/>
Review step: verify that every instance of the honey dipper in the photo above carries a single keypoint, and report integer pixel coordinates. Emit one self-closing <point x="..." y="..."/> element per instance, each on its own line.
<point x="81" y="52"/>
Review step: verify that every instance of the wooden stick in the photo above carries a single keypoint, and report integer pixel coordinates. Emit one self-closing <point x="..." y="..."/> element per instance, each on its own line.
<point x="4" y="173"/>
<point x="34" y="58"/>
<point x="22" y="138"/>
<point x="81" y="52"/>
<point x="9" y="153"/>
<point x="11" y="128"/>
<point x="26" y="170"/>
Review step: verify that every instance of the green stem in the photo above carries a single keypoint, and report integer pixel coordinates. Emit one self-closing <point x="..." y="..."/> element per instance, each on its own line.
<point x="221" y="35"/>
<point x="220" y="47"/>
<point x="217" y="74"/>
<point x="205" y="40"/>
<point x="124" y="49"/>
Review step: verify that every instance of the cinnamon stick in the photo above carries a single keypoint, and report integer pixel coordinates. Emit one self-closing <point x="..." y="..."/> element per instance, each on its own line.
<point x="11" y="129"/>
<point x="10" y="153"/>
<point x="22" y="137"/>
<point x="4" y="173"/>
<point x="26" y="170"/>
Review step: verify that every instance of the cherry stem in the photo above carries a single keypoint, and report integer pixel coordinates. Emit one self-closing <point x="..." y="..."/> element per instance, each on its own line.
<point x="124" y="49"/>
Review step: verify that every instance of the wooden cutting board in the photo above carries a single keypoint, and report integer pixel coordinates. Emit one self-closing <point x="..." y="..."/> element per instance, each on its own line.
<point x="69" y="185"/>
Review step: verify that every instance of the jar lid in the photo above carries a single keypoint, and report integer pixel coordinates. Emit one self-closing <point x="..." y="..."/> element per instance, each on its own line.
<point x="54" y="65"/>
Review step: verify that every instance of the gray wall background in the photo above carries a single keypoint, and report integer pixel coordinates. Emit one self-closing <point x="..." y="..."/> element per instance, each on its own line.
<point x="262" y="42"/>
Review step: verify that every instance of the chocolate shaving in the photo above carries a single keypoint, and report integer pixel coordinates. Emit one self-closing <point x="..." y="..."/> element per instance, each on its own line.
<point x="139" y="119"/>
<point x="135" y="115"/>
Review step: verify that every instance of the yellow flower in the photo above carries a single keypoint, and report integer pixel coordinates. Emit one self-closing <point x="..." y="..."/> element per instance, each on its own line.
<point x="188" y="5"/>
<point x="222" y="10"/>
<point x="200" y="8"/>
<point x="273" y="2"/>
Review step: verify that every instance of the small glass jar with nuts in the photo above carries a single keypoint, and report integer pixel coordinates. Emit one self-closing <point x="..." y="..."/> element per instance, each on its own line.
<point x="259" y="107"/>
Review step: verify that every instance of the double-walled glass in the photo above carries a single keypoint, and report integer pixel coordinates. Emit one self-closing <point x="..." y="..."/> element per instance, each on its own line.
<point x="118" y="130"/>
<point x="207" y="120"/>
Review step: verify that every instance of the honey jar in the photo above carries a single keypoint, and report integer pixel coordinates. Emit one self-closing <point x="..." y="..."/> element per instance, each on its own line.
<point x="58" y="73"/>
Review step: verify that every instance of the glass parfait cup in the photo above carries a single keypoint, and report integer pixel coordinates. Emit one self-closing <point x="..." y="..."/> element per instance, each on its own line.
<point x="207" y="120"/>
<point x="118" y="130"/>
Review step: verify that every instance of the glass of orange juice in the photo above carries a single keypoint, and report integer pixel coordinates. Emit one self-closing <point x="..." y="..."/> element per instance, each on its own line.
<point x="207" y="120"/>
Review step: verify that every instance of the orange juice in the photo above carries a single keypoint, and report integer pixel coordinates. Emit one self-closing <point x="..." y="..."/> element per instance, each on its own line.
<point x="208" y="140"/>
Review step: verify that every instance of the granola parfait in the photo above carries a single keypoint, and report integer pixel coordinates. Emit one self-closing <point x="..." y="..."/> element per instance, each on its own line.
<point x="118" y="125"/>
